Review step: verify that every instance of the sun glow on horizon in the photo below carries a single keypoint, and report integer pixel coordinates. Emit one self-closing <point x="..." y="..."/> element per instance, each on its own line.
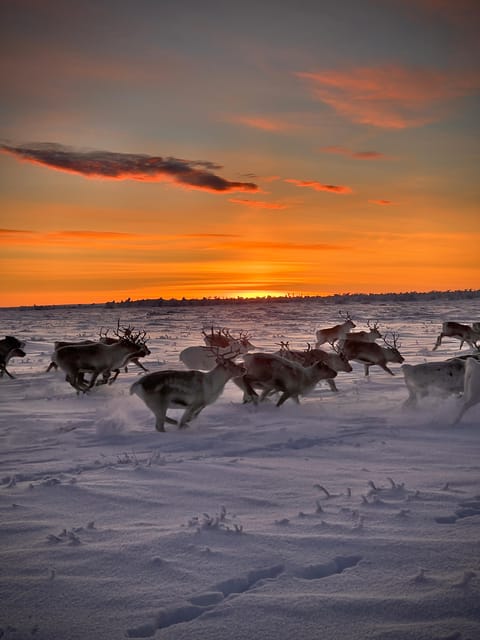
<point x="258" y="293"/>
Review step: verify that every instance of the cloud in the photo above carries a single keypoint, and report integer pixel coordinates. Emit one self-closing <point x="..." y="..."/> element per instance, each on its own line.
<point x="210" y="235"/>
<point x="318" y="186"/>
<point x="257" y="204"/>
<point x="30" y="237"/>
<point x="383" y="203"/>
<point x="190" y="174"/>
<point x="358" y="155"/>
<point x="457" y="12"/>
<point x="284" y="246"/>
<point x="391" y="97"/>
<point x="262" y="123"/>
<point x="113" y="240"/>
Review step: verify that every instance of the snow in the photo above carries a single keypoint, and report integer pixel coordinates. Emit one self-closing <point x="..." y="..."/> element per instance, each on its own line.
<point x="347" y="516"/>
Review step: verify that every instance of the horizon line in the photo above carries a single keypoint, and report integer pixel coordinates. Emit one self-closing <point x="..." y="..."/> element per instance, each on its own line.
<point x="246" y="299"/>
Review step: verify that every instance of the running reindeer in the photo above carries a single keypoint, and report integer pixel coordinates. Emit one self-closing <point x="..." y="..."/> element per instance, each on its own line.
<point x="333" y="359"/>
<point x="188" y="390"/>
<point x="109" y="340"/>
<point x="365" y="336"/>
<point x="338" y="332"/>
<point x="370" y="353"/>
<point x="10" y="347"/>
<point x="99" y="358"/>
<point x="218" y="342"/>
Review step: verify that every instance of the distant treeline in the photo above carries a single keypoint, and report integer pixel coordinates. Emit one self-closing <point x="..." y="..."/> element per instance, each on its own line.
<point x="337" y="298"/>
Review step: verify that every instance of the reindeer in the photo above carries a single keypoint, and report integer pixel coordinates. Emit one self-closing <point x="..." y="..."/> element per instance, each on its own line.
<point x="204" y="358"/>
<point x="371" y="353"/>
<point x="365" y="336"/>
<point x="58" y="344"/>
<point x="10" y="347"/>
<point x="106" y="339"/>
<point x="221" y="338"/>
<point x="189" y="390"/>
<point x="332" y="334"/>
<point x="335" y="360"/>
<point x="462" y="332"/>
<point x="471" y="387"/>
<point x="271" y="372"/>
<point x="98" y="358"/>
<point x="109" y="340"/>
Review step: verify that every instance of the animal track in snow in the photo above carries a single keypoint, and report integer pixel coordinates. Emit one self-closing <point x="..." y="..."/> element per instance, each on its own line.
<point x="337" y="565"/>
<point x="466" y="509"/>
<point x="206" y="602"/>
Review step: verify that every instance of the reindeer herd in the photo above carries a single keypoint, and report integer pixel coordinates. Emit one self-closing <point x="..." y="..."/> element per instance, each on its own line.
<point x="288" y="373"/>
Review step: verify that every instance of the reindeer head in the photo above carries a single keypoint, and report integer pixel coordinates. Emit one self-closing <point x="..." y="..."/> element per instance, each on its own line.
<point x="374" y="330"/>
<point x="394" y="345"/>
<point x="347" y="320"/>
<point x="226" y="360"/>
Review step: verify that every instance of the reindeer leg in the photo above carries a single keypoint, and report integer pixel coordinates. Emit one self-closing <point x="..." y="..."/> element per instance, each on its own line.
<point x="139" y="364"/>
<point x="76" y="379"/>
<point x="159" y="426"/>
<point x="385" y="368"/>
<point x="52" y="365"/>
<point x="93" y="379"/>
<point x="266" y="392"/>
<point x="112" y="380"/>
<point x="158" y="406"/>
<point x="438" y="342"/>
<point x="190" y="413"/>
<point x="332" y="385"/>
<point x="286" y="396"/>
<point x="249" y="394"/>
<point x="411" y="401"/>
<point x="465" y="407"/>
<point x="81" y="383"/>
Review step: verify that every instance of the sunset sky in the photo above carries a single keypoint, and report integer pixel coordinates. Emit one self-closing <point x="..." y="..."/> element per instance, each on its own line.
<point x="218" y="148"/>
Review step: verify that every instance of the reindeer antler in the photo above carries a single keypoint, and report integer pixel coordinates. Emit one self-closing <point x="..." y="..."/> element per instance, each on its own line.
<point x="224" y="356"/>
<point x="127" y="333"/>
<point x="344" y="314"/>
<point x="395" y="344"/>
<point x="101" y="334"/>
<point x="218" y="338"/>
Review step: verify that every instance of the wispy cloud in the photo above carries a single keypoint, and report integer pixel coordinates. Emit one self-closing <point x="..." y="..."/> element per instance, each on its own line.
<point x="383" y="203"/>
<point x="250" y="245"/>
<point x="358" y="155"/>
<point x="32" y="237"/>
<point x="392" y="97"/>
<point x="318" y="186"/>
<point x="258" y="204"/>
<point x="82" y="237"/>
<point x="458" y="12"/>
<point x="112" y="240"/>
<point x="189" y="174"/>
<point x="262" y="123"/>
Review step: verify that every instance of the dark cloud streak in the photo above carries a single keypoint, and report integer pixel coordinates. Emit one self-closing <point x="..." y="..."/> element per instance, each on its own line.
<point x="190" y="174"/>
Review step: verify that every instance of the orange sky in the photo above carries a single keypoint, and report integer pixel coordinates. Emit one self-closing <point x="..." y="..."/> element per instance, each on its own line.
<point x="336" y="151"/>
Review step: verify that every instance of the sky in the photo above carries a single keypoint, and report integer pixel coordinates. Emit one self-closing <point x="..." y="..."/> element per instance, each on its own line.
<point x="208" y="149"/>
